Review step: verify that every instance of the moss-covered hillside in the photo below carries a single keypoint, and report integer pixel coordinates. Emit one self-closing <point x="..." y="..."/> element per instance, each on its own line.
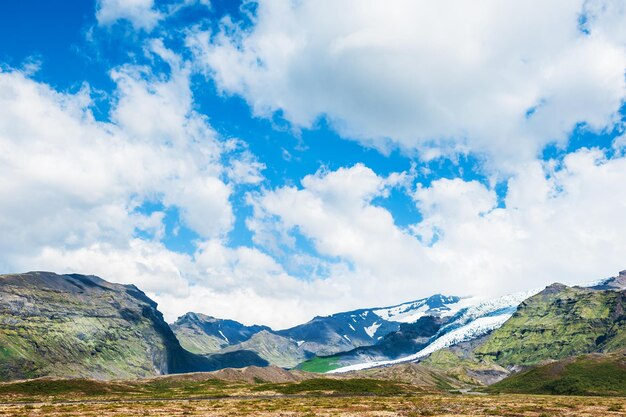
<point x="83" y="326"/>
<point x="594" y="374"/>
<point x="559" y="322"/>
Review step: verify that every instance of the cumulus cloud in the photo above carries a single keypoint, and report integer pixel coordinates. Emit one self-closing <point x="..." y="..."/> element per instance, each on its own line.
<point x="140" y="13"/>
<point x="442" y="77"/>
<point x="366" y="249"/>
<point x="561" y="222"/>
<point x="60" y="158"/>
<point x="73" y="186"/>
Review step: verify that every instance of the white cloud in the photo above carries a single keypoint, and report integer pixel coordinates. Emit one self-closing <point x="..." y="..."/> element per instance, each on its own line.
<point x="377" y="260"/>
<point x="146" y="264"/>
<point x="450" y="201"/>
<point x="559" y="224"/>
<point x="246" y="168"/>
<point x="619" y="144"/>
<point x="442" y="77"/>
<point x="140" y="13"/>
<point x="71" y="185"/>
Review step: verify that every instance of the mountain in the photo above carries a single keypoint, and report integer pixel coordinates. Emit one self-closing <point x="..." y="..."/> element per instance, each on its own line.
<point x="559" y="322"/>
<point x="348" y="330"/>
<point x="275" y="349"/>
<point x="83" y="326"/>
<point x="469" y="323"/>
<point x="522" y="330"/>
<point x="321" y="336"/>
<point x="203" y="334"/>
<point x="409" y="338"/>
<point x="593" y="374"/>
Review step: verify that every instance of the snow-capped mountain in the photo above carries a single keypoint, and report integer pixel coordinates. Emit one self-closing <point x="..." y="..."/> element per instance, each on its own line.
<point x="348" y="330"/>
<point x="437" y="306"/>
<point x="475" y="319"/>
<point x="321" y="336"/>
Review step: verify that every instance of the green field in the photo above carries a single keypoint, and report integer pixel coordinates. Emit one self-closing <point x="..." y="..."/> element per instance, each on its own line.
<point x="320" y="364"/>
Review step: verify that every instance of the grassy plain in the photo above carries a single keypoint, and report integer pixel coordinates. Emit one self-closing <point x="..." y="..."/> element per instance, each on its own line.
<point x="197" y="396"/>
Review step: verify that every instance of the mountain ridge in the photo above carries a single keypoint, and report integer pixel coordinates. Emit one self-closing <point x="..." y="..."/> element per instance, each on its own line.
<point x="82" y="325"/>
<point x="322" y="335"/>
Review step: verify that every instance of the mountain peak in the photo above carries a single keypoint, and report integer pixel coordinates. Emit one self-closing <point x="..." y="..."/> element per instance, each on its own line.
<point x="554" y="288"/>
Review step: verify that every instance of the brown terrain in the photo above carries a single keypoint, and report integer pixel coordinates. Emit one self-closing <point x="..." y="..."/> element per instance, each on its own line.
<point x="275" y="392"/>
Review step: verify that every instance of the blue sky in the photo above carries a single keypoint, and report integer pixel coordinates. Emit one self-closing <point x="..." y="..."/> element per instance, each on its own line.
<point x="269" y="161"/>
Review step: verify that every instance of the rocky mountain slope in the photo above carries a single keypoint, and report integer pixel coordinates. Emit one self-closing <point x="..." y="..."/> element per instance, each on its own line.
<point x="202" y="334"/>
<point x="83" y="326"/>
<point x="348" y="330"/>
<point x="275" y="349"/>
<point x="409" y="338"/>
<point x="321" y="336"/>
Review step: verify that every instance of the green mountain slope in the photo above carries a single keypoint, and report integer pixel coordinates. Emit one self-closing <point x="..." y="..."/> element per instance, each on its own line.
<point x="83" y="326"/>
<point x="275" y="349"/>
<point x="557" y="323"/>
<point x="193" y="338"/>
<point x="460" y="363"/>
<point x="594" y="374"/>
<point x="202" y="334"/>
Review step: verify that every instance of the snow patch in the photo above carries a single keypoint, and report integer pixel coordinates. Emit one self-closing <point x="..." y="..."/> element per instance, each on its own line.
<point x="413" y="311"/>
<point x="225" y="338"/>
<point x="371" y="330"/>
<point x="398" y="312"/>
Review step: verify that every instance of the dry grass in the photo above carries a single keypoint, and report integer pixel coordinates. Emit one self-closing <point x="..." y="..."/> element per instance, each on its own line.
<point x="277" y="396"/>
<point x="322" y="406"/>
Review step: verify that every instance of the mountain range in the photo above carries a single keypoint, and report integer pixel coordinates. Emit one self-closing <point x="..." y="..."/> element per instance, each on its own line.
<point x="83" y="326"/>
<point x="320" y="336"/>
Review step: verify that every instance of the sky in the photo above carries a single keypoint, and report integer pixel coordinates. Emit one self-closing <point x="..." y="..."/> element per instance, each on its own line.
<point x="269" y="161"/>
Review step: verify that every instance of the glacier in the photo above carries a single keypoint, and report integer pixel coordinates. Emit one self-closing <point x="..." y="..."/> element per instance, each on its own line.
<point x="468" y="323"/>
